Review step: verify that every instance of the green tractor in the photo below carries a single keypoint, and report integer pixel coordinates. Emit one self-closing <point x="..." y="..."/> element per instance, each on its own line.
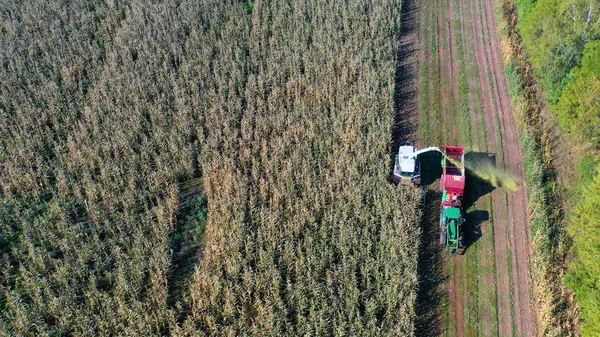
<point x="451" y="235"/>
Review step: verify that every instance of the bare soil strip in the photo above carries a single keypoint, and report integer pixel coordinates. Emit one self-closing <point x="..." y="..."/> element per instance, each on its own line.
<point x="500" y="249"/>
<point x="453" y="136"/>
<point x="518" y="200"/>
<point x="453" y="66"/>
<point x="483" y="231"/>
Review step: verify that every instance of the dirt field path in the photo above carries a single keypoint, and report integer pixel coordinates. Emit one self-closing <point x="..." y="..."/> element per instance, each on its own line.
<point x="463" y="100"/>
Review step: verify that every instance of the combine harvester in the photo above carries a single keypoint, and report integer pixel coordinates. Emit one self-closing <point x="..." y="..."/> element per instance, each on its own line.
<point x="407" y="171"/>
<point x="407" y="167"/>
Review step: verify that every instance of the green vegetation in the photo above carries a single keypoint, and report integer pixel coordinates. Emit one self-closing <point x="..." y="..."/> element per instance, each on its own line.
<point x="584" y="272"/>
<point x="201" y="168"/>
<point x="563" y="41"/>
<point x="555" y="34"/>
<point x="525" y="7"/>
<point x="579" y="106"/>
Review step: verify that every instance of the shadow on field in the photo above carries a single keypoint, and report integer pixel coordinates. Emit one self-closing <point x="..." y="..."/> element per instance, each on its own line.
<point x="430" y="266"/>
<point x="476" y="187"/>
<point x="406" y="98"/>
<point x="406" y="81"/>
<point x="472" y="227"/>
<point x="431" y="167"/>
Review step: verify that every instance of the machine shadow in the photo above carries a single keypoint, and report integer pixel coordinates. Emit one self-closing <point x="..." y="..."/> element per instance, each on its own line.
<point x="472" y="228"/>
<point x="476" y="187"/>
<point x="406" y="97"/>
<point x="431" y="167"/>
<point x="430" y="293"/>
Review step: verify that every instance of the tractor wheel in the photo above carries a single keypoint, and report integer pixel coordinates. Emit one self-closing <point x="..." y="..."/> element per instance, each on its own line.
<point x="395" y="179"/>
<point x="461" y="241"/>
<point x="442" y="237"/>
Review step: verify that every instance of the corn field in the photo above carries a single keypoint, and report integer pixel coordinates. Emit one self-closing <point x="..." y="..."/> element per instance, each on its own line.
<point x="280" y="112"/>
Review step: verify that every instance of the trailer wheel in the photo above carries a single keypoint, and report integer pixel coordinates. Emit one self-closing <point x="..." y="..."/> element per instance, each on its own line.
<point x="442" y="237"/>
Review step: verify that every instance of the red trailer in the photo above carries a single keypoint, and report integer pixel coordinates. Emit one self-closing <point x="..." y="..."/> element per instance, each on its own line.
<point x="452" y="184"/>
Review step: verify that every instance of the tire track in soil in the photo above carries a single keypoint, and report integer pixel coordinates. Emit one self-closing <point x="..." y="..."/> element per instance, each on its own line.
<point x="518" y="200"/>
<point x="449" y="95"/>
<point x="509" y="214"/>
<point x="453" y="65"/>
<point x="434" y="73"/>
<point x="487" y="324"/>
<point x="500" y="251"/>
<point x="506" y="217"/>
<point x="511" y="231"/>
<point x="442" y="73"/>
<point x="486" y="287"/>
<point x="453" y="70"/>
<point x="406" y="107"/>
<point x="500" y="295"/>
<point x="445" y="109"/>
